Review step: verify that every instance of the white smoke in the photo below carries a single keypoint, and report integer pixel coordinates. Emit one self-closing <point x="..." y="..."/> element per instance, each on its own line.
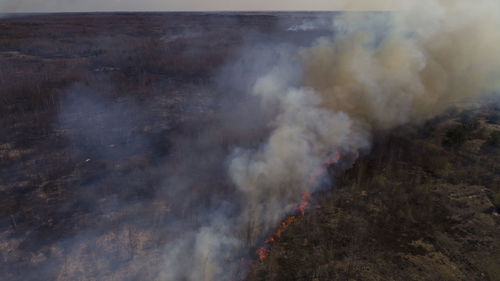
<point x="379" y="71"/>
<point x="390" y="69"/>
<point x="274" y="175"/>
<point x="311" y="24"/>
<point x="269" y="178"/>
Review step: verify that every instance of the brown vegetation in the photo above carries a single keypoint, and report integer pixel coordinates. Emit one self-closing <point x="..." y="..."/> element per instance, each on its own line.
<point x="82" y="204"/>
<point x="410" y="210"/>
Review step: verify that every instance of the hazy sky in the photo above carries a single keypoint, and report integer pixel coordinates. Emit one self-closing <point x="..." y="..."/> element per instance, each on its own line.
<point x="192" y="5"/>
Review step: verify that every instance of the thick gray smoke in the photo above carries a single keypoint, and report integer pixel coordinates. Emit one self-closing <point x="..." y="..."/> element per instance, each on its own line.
<point x="410" y="66"/>
<point x="379" y="71"/>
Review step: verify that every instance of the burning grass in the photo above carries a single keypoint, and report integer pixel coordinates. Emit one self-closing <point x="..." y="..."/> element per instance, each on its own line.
<point x="301" y="208"/>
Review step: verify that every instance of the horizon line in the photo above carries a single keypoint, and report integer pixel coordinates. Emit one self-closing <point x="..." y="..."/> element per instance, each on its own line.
<point x="191" y="11"/>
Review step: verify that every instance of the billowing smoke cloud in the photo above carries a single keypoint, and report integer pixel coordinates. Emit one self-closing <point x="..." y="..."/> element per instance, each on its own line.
<point x="378" y="71"/>
<point x="389" y="70"/>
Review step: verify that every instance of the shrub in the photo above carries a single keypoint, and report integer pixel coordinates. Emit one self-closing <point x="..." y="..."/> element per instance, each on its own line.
<point x="429" y="128"/>
<point x="456" y="136"/>
<point x="469" y="121"/>
<point x="494" y="139"/>
<point x="494" y="118"/>
<point x="496" y="200"/>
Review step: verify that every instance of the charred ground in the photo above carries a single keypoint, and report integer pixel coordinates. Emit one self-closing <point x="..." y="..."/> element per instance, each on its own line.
<point x="95" y="107"/>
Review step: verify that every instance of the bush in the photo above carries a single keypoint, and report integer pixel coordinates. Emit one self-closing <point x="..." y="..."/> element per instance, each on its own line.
<point x="496" y="200"/>
<point x="456" y="136"/>
<point x="429" y="128"/>
<point x="494" y="139"/>
<point x="469" y="122"/>
<point x="494" y="118"/>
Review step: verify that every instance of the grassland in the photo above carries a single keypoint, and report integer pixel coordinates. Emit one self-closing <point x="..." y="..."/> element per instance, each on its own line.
<point x="94" y="108"/>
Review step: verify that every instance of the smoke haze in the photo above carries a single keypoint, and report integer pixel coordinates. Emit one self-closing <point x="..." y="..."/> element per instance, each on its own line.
<point x="194" y="5"/>
<point x="409" y="66"/>
<point x="378" y="71"/>
<point x="280" y="110"/>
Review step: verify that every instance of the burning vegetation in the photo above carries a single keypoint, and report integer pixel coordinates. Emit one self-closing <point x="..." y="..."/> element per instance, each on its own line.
<point x="274" y="238"/>
<point x="200" y="143"/>
<point x="408" y="210"/>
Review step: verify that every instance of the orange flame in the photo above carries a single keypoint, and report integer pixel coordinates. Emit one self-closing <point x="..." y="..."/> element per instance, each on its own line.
<point x="313" y="179"/>
<point x="263" y="252"/>
<point x="304" y="202"/>
<point x="332" y="160"/>
<point x="277" y="234"/>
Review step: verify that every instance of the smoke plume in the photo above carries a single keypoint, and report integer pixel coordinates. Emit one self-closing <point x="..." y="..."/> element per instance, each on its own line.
<point x="388" y="70"/>
<point x="378" y="71"/>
